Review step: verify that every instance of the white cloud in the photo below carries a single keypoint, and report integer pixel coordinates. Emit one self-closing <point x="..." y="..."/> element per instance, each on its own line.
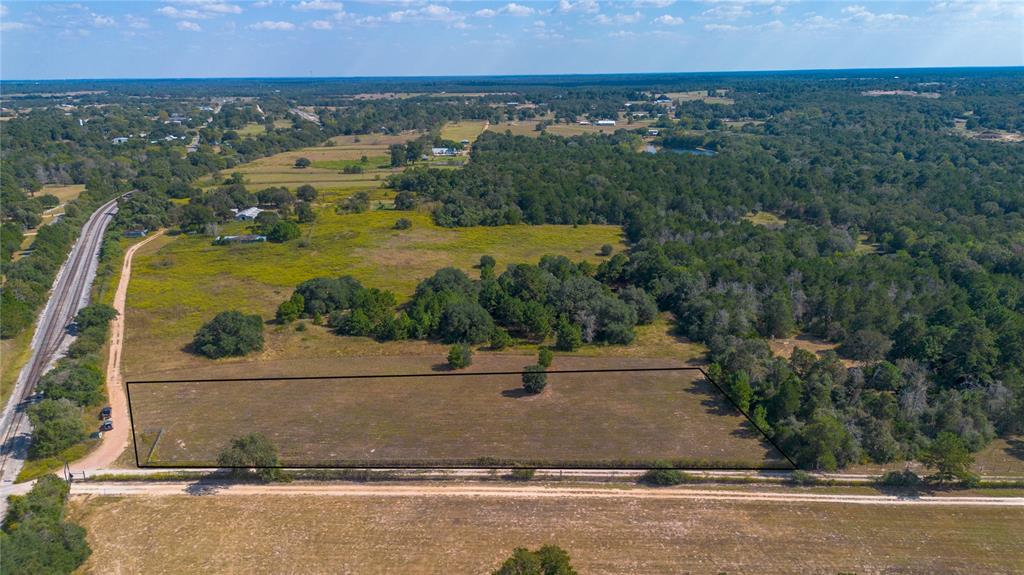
<point x="773" y="25"/>
<point x="430" y="12"/>
<point x="198" y="10"/>
<point x="212" y="6"/>
<point x="726" y="12"/>
<point x="653" y="3"/>
<point x="321" y="25"/>
<point x="817" y="22"/>
<point x="619" y="18"/>
<point x="859" y="12"/>
<point x="518" y="9"/>
<point x="137" y="22"/>
<point x="277" y="25"/>
<point x="985" y="9"/>
<point x="101" y="21"/>
<point x="485" y="13"/>
<point x="584" y="6"/>
<point x="188" y="14"/>
<point x="777" y="9"/>
<point x="10" y="26"/>
<point x="668" y="20"/>
<point x="327" y="5"/>
<point x="187" y="26"/>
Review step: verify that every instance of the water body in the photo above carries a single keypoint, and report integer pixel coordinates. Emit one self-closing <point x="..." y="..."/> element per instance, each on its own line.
<point x="652" y="149"/>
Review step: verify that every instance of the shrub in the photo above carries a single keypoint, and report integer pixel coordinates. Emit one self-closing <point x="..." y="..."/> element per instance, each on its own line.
<point x="403" y="224"/>
<point x="535" y="379"/>
<point x="253" y="451"/>
<point x="306" y="193"/>
<point x="664" y="476"/>
<point x="801" y="477"/>
<point x="283" y="231"/>
<point x="606" y="250"/>
<point x="522" y="473"/>
<point x="500" y="339"/>
<point x="81" y="384"/>
<point x="544" y="357"/>
<point x="56" y="425"/>
<point x="548" y="560"/>
<point x="569" y="336"/>
<point x="487" y="262"/>
<point x="229" y="333"/>
<point x="460" y="356"/>
<point x="905" y="478"/>
<point x="303" y="163"/>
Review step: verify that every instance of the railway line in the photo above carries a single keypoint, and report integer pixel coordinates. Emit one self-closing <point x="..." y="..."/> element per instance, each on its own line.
<point x="69" y="294"/>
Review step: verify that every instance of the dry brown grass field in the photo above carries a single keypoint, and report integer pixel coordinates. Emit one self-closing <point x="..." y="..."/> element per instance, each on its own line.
<point x="437" y="534"/>
<point x="604" y="419"/>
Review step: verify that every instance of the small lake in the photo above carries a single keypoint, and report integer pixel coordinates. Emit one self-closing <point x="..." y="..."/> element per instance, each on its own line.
<point x="652" y="149"/>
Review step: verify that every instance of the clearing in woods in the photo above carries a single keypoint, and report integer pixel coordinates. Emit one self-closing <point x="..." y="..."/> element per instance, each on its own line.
<point x="464" y="130"/>
<point x="625" y="418"/>
<point x="431" y="534"/>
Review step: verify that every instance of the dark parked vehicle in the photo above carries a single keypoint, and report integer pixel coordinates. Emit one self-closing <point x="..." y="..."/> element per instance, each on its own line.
<point x="105" y="412"/>
<point x="107" y="425"/>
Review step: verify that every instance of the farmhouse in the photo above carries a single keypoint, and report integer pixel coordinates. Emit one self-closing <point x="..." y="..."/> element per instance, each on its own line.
<point x="119" y="140"/>
<point x="248" y="214"/>
<point x="605" y="122"/>
<point x="443" y="151"/>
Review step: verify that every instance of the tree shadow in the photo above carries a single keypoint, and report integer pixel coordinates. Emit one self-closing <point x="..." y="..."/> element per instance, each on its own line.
<point x="442" y="367"/>
<point x="713" y="400"/>
<point x="516" y="393"/>
<point x="1015" y="448"/>
<point x="207" y="486"/>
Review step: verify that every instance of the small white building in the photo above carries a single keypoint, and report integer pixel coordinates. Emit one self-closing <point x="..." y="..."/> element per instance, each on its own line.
<point x="119" y="140"/>
<point x="248" y="214"/>
<point x="652" y="132"/>
<point x="443" y="151"/>
<point x="605" y="122"/>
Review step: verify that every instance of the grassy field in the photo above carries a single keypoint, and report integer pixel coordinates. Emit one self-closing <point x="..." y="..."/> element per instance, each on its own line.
<point x="629" y="417"/>
<point x="180" y="282"/>
<point x="695" y="95"/>
<point x="431" y="534"/>
<point x="465" y="130"/>
<point x="14" y="354"/>
<point x="766" y="219"/>
<point x="251" y="129"/>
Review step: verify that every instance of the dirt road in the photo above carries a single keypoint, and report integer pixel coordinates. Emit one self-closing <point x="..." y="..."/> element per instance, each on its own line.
<point x="115" y="441"/>
<point x="469" y="490"/>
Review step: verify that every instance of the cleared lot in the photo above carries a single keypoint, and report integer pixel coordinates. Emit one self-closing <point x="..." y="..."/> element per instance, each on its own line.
<point x="622" y="418"/>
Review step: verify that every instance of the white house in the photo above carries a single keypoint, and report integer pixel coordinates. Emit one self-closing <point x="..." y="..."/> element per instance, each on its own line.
<point x="442" y="151"/>
<point x="119" y="140"/>
<point x="652" y="132"/>
<point x="605" y="122"/>
<point x="248" y="214"/>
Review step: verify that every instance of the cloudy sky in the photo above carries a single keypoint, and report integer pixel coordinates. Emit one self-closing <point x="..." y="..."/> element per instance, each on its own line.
<point x="212" y="38"/>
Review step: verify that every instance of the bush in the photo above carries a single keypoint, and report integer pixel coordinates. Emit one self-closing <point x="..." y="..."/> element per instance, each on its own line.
<point x="306" y="193"/>
<point x="500" y="339"/>
<point x="569" y="336"/>
<point x="801" y="477"/>
<point x="460" y="356"/>
<point x="535" y="379"/>
<point x="905" y="478"/>
<point x="403" y="224"/>
<point x="664" y="476"/>
<point x="81" y="384"/>
<point x="229" y="333"/>
<point x="487" y="262"/>
<point x="283" y="231"/>
<point x="606" y="250"/>
<point x="544" y="357"/>
<point x="523" y="473"/>
<point x="465" y="322"/>
<point x="303" y="163"/>
<point x="35" y="536"/>
<point x="253" y="451"/>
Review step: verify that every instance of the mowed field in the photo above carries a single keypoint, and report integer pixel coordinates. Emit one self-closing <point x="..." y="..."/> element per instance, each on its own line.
<point x="464" y="130"/>
<point x="178" y="283"/>
<point x="280" y="170"/>
<point x="428" y="534"/>
<point x="630" y="418"/>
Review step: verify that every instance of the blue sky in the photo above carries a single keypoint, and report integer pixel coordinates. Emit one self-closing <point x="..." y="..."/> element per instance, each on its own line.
<point x="213" y="38"/>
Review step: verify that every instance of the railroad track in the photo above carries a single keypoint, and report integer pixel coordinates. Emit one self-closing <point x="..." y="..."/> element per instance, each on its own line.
<point x="69" y="293"/>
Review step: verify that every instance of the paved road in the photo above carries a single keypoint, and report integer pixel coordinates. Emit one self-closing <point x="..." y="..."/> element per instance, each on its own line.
<point x="69" y="294"/>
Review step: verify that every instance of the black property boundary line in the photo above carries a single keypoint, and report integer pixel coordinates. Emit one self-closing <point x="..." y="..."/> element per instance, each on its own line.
<point x="135" y="443"/>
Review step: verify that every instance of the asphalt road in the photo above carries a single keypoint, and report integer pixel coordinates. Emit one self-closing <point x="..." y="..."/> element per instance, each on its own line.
<point x="69" y="294"/>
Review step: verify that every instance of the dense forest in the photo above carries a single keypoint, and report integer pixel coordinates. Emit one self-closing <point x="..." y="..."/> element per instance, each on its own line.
<point x="895" y="237"/>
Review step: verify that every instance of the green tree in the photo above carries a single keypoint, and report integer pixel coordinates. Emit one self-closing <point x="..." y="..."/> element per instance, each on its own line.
<point x="500" y="339"/>
<point x="548" y="560"/>
<point x="303" y="163"/>
<point x="229" y="333"/>
<point x="283" y="231"/>
<point x="290" y="309"/>
<point x="306" y="193"/>
<point x="824" y="444"/>
<point x="459" y="356"/>
<point x="35" y="538"/>
<point x="79" y="383"/>
<point x="535" y="379"/>
<point x="56" y="425"/>
<point x="544" y="357"/>
<point x="948" y="455"/>
<point x="569" y="336"/>
<point x="253" y="451"/>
